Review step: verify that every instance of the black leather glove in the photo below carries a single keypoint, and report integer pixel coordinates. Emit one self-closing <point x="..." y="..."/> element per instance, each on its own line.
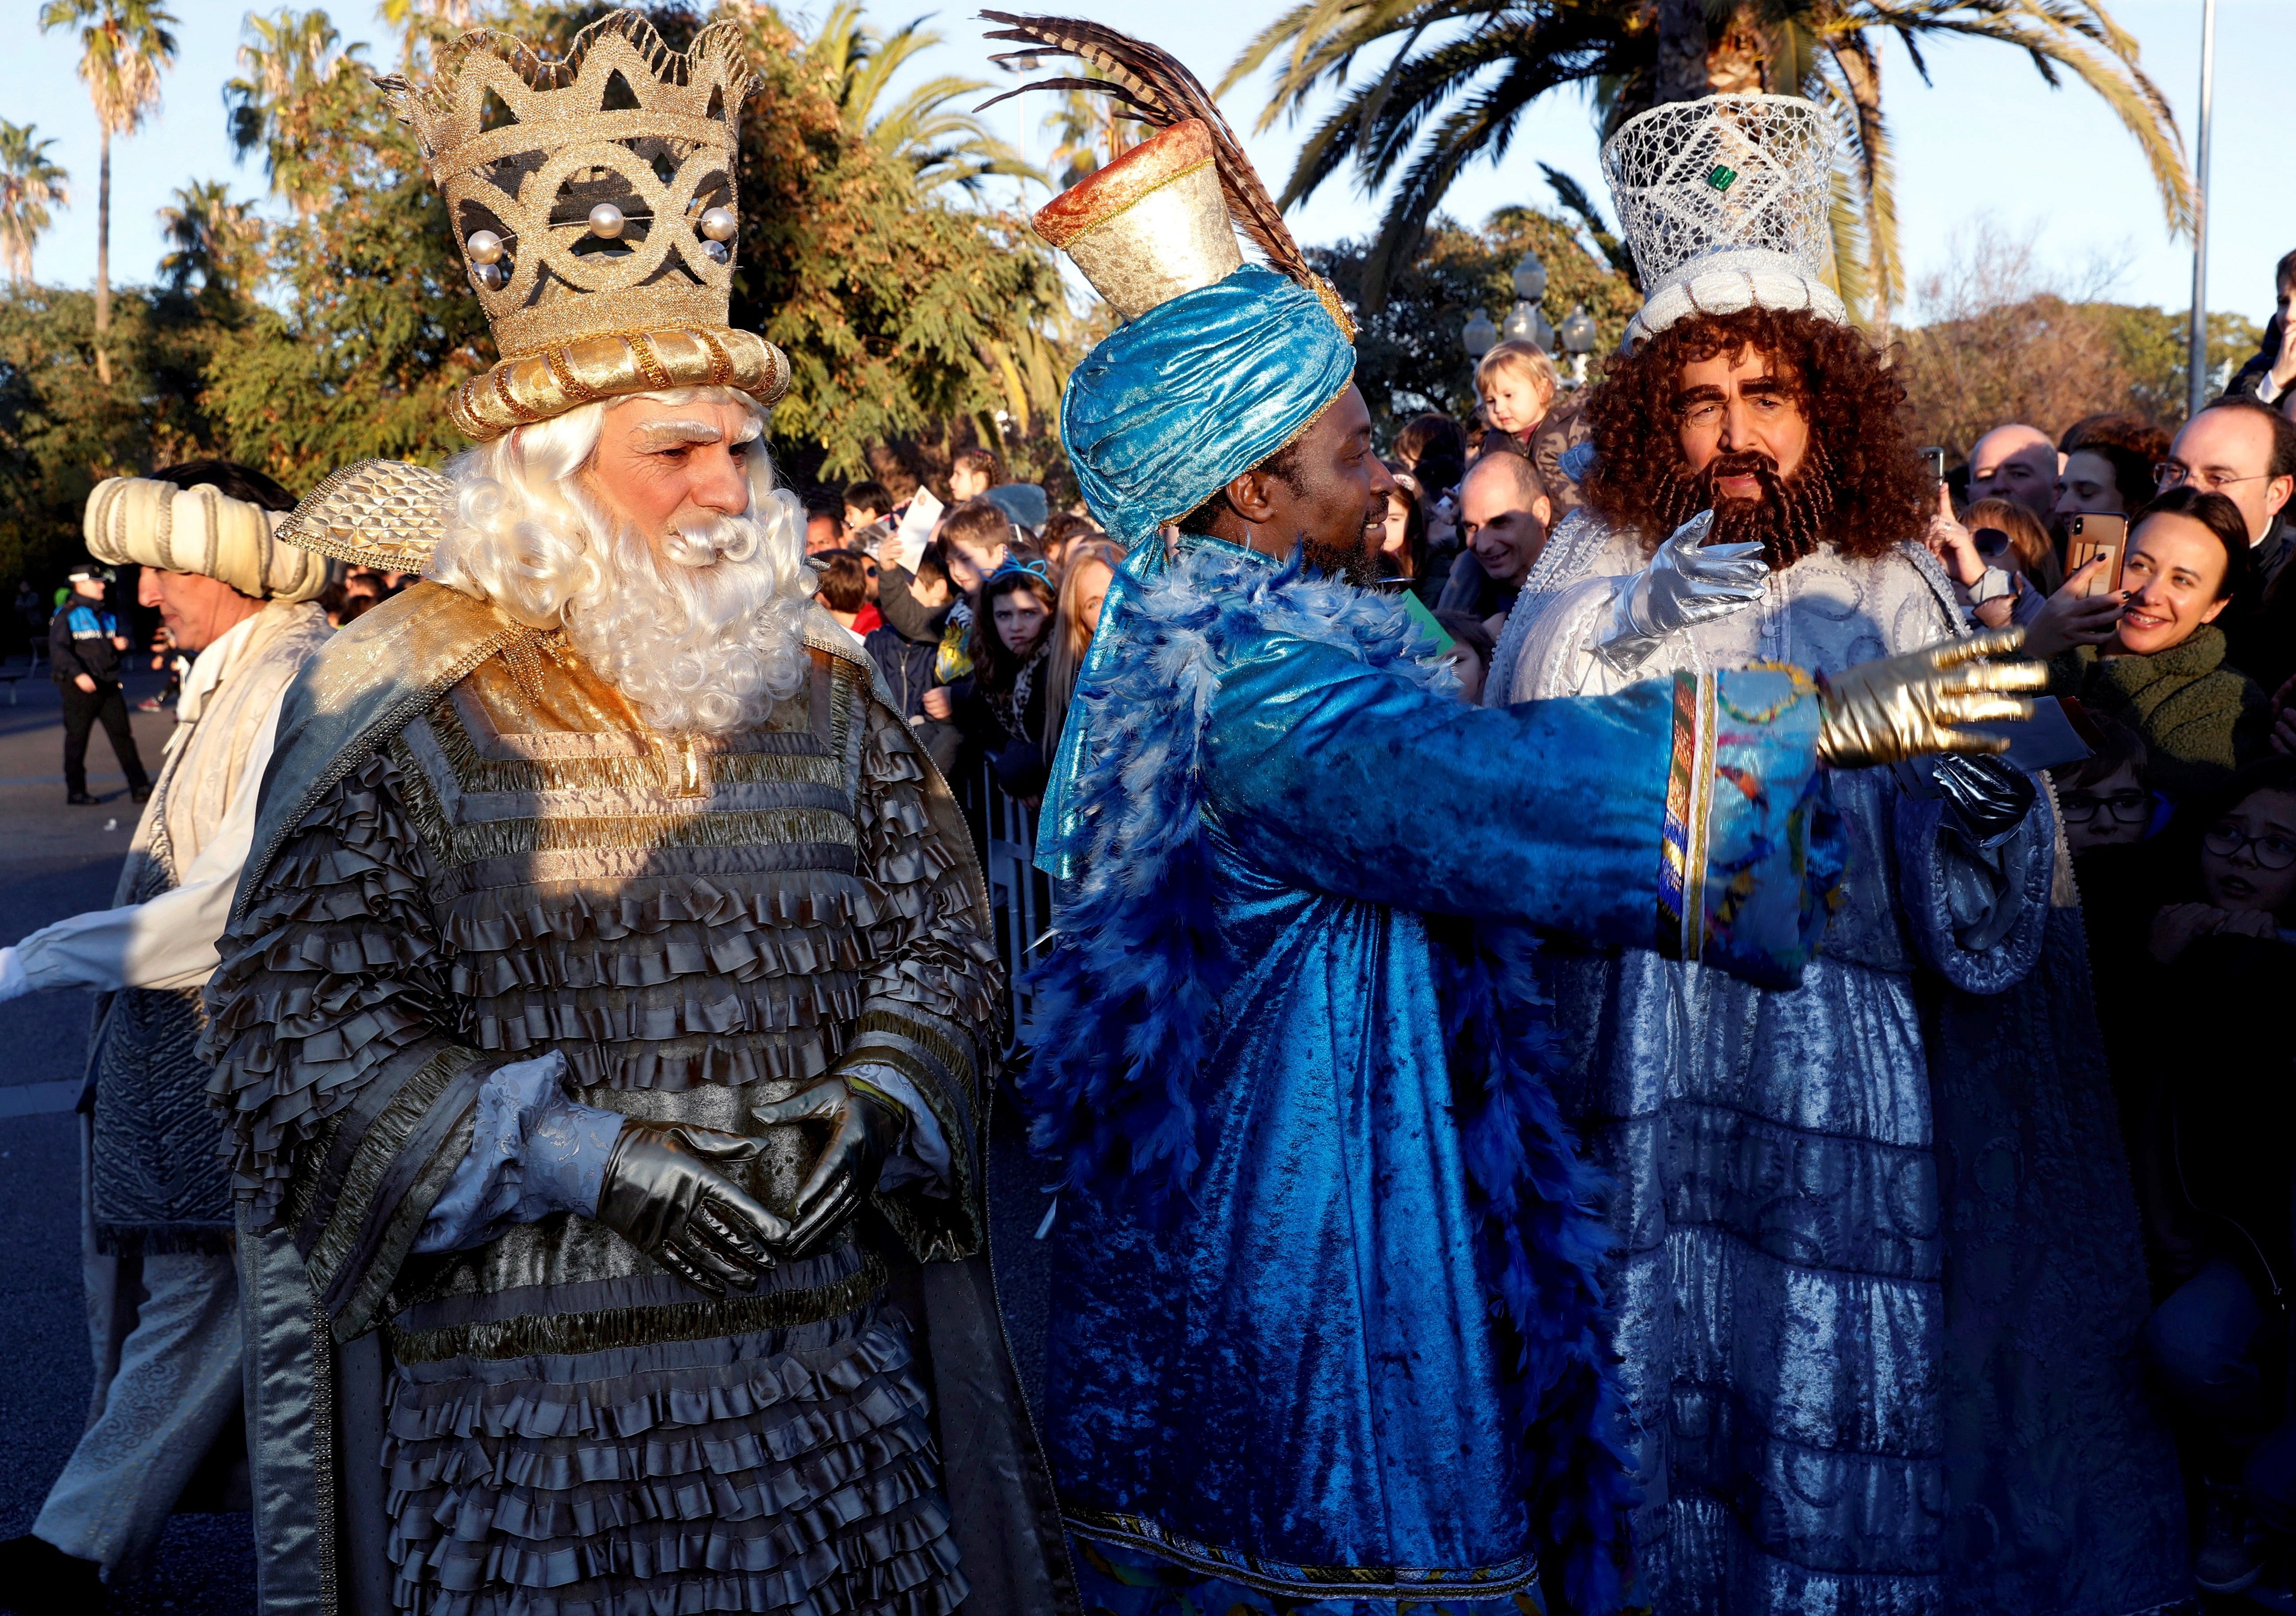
<point x="864" y="1129"/>
<point x="664" y="1194"/>
<point x="1988" y="798"/>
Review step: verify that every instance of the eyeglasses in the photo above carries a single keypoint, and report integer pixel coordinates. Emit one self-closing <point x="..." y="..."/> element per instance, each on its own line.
<point x="2129" y="807"/>
<point x="2225" y="840"/>
<point x="2171" y="474"/>
<point x="1991" y="542"/>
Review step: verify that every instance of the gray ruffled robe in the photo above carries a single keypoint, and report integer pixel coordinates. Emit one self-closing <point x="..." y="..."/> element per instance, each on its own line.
<point x="470" y="853"/>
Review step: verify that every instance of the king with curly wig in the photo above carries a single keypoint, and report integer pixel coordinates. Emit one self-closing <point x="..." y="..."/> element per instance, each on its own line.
<point x="1857" y="483"/>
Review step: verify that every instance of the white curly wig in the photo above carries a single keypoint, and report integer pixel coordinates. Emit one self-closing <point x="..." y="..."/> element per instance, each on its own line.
<point x="705" y="637"/>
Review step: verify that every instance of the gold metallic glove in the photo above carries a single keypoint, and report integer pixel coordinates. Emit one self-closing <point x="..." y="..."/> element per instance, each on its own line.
<point x="664" y="1194"/>
<point x="1907" y="706"/>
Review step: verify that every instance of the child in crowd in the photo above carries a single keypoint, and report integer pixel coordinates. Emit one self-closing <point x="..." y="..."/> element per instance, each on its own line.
<point x="2220" y="1052"/>
<point x="866" y="503"/>
<point x="843" y="592"/>
<point x="905" y="646"/>
<point x="975" y="539"/>
<point x="973" y="473"/>
<point x="1517" y="384"/>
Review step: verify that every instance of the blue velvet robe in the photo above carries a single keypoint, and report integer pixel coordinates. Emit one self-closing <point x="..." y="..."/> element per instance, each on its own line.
<point x="1323" y="1320"/>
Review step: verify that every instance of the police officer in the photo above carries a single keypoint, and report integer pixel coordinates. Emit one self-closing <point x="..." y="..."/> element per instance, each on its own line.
<point x="84" y="647"/>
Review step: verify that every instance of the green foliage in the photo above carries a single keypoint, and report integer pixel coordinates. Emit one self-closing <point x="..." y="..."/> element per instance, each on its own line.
<point x="62" y="430"/>
<point x="908" y="318"/>
<point x="1408" y="354"/>
<point x="376" y="323"/>
<point x="216" y="241"/>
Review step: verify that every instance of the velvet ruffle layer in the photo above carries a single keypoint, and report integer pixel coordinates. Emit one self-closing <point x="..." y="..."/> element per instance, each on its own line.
<point x="781" y="1471"/>
<point x="672" y="980"/>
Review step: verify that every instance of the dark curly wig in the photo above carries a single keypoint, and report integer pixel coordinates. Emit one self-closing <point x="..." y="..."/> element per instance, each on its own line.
<point x="1860" y="480"/>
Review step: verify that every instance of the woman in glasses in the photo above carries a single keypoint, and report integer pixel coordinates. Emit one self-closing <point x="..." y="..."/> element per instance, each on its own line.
<point x="2220" y="1053"/>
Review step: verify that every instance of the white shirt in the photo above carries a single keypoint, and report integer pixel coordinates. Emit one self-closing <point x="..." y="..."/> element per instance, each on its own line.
<point x="170" y="940"/>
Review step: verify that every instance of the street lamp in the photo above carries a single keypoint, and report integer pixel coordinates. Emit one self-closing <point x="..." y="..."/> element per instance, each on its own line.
<point x="1524" y="322"/>
<point x="1480" y="337"/>
<point x="1578" y="335"/>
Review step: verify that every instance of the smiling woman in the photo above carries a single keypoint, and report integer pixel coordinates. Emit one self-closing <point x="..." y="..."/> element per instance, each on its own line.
<point x="2163" y="670"/>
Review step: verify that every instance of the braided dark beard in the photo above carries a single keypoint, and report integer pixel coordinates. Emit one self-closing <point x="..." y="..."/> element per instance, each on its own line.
<point x="1788" y="520"/>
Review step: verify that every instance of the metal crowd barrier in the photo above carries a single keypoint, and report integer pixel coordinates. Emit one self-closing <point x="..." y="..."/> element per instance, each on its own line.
<point x="1020" y="895"/>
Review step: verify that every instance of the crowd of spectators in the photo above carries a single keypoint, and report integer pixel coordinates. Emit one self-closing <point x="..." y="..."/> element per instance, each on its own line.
<point x="977" y="611"/>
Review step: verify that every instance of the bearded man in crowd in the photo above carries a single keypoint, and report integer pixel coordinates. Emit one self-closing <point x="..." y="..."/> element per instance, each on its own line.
<point x="600" y="1026"/>
<point x="1875" y="1266"/>
<point x="163" y="1304"/>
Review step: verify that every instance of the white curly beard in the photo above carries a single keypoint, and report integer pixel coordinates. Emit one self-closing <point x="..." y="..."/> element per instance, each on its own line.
<point x="705" y="637"/>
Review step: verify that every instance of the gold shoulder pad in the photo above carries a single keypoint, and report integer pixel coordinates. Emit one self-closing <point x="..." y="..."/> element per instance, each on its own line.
<point x="387" y="514"/>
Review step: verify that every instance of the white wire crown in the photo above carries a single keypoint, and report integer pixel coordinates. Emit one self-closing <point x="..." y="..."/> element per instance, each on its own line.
<point x="1722" y="171"/>
<point x="1730" y="186"/>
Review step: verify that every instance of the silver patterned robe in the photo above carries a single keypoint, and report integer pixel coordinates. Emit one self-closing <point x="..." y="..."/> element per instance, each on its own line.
<point x="1863" y="1382"/>
<point x="473" y="853"/>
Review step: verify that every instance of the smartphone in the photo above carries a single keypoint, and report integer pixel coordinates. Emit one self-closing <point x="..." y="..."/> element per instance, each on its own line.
<point x="1933" y="457"/>
<point x="2091" y="535"/>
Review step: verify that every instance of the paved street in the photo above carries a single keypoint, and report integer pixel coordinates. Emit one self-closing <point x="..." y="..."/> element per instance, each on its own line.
<point x="54" y="861"/>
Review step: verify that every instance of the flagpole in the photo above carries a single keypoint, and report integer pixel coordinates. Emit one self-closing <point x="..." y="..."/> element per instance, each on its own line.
<point x="2196" y="360"/>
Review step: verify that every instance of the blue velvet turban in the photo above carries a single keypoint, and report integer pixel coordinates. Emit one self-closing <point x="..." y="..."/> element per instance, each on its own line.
<point x="1197" y="391"/>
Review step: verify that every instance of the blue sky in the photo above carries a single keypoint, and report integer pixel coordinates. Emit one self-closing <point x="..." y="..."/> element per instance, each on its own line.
<point x="1989" y="139"/>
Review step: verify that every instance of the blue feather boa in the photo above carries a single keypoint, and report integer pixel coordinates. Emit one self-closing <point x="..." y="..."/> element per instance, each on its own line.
<point x="1128" y="999"/>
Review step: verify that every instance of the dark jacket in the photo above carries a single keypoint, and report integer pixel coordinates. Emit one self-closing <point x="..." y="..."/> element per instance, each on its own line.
<point x="2227" y="1076"/>
<point x="2261" y="624"/>
<point x="80" y="642"/>
<point x="907" y="664"/>
<point x="1471" y="590"/>
<point x="2200" y="719"/>
<point x="1023" y="762"/>
<point x="2246" y="379"/>
<point x="901" y="610"/>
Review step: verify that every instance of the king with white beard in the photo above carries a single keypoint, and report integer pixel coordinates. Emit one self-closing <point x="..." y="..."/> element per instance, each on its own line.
<point x="602" y="1023"/>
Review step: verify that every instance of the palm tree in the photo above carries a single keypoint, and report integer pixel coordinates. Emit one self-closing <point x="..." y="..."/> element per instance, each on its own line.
<point x="124" y="46"/>
<point x="1462" y="72"/>
<point x="29" y="183"/>
<point x="941" y="147"/>
<point x="216" y="240"/>
<point x="287" y="56"/>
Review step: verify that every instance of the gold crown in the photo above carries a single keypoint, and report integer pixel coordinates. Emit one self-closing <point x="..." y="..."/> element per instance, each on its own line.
<point x="594" y="201"/>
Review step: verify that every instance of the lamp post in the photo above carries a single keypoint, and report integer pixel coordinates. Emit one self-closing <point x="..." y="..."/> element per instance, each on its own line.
<point x="1577" y="335"/>
<point x="1524" y="322"/>
<point x="1480" y="337"/>
<point x="2196" y="355"/>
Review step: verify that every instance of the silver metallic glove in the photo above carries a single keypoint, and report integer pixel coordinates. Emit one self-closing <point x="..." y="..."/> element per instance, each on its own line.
<point x="1687" y="582"/>
<point x="1988" y="798"/>
<point x="664" y="1194"/>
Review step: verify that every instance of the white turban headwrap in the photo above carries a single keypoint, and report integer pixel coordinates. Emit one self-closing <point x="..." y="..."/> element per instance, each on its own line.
<point x="201" y="529"/>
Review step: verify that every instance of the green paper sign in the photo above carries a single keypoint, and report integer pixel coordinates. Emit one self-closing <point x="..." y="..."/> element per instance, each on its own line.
<point x="1427" y="623"/>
